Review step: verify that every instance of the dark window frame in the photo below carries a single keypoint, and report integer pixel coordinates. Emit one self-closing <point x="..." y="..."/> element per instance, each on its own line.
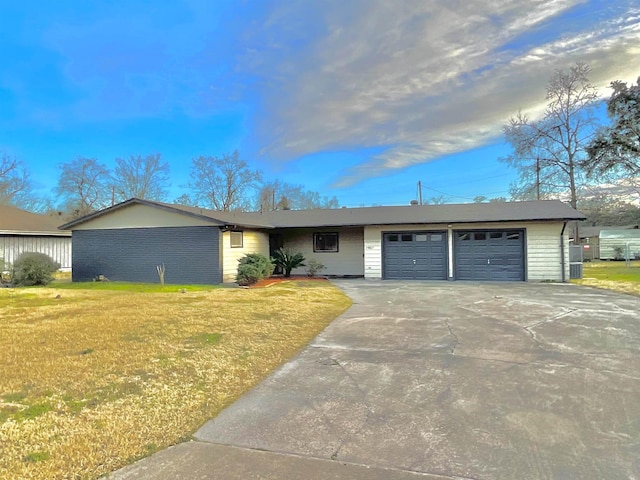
<point x="316" y="247"/>
<point x="231" y="244"/>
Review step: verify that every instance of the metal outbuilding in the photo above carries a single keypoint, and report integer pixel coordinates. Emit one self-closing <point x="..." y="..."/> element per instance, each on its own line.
<point x="620" y="244"/>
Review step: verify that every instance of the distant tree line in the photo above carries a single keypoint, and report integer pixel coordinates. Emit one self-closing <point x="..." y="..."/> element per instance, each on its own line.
<point x="222" y="183"/>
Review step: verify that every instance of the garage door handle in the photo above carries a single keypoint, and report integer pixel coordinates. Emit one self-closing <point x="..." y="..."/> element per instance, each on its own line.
<point x="488" y="261"/>
<point x="414" y="262"/>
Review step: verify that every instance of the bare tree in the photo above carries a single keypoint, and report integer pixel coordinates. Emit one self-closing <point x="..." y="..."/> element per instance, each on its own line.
<point x="549" y="152"/>
<point x="141" y="177"/>
<point x="15" y="185"/>
<point x="223" y="183"/>
<point x="185" y="199"/>
<point x="439" y="200"/>
<point x="277" y="195"/>
<point x="84" y="185"/>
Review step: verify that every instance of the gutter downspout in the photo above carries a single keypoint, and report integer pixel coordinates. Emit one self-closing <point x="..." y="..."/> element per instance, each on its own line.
<point x="562" y="259"/>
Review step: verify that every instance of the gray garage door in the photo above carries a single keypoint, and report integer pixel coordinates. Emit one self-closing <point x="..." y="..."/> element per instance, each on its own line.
<point x="415" y="255"/>
<point x="189" y="254"/>
<point x="489" y="255"/>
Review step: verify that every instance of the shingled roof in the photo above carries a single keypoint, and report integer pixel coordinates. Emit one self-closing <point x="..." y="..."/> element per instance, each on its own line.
<point x="542" y="210"/>
<point x="15" y="221"/>
<point x="427" y="214"/>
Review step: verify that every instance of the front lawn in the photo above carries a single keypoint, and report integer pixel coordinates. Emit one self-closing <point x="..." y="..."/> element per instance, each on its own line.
<point x="130" y="287"/>
<point x="612" y="275"/>
<point x="94" y="378"/>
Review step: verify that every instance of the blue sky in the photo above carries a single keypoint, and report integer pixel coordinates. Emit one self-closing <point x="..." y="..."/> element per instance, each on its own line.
<point x="358" y="99"/>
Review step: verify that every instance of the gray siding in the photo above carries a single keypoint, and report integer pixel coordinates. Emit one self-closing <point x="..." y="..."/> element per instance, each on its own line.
<point x="190" y="254"/>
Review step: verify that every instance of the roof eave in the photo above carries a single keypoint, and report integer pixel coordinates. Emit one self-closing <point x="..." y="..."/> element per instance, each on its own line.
<point x="428" y="222"/>
<point x="232" y="226"/>
<point x="36" y="233"/>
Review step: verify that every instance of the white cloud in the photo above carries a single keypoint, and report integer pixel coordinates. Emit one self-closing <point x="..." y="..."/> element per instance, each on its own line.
<point x="423" y="78"/>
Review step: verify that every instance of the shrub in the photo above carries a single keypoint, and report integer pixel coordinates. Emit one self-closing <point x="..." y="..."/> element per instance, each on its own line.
<point x="287" y="260"/>
<point x="32" y="268"/>
<point x="248" y="275"/>
<point x="314" y="267"/>
<point x="5" y="273"/>
<point x="253" y="267"/>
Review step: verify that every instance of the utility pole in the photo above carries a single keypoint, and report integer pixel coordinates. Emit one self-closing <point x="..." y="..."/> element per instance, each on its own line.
<point x="538" y="177"/>
<point x="419" y="192"/>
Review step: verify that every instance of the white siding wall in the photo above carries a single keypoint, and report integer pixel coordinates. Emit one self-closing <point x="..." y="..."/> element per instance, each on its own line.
<point x="543" y="252"/>
<point x="347" y="261"/>
<point x="141" y="216"/>
<point x="373" y="251"/>
<point x="252" y="242"/>
<point x="58" y="248"/>
<point x="542" y="248"/>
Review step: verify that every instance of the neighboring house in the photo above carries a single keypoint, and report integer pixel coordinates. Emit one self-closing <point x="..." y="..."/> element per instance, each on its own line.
<point x="590" y="240"/>
<point x="22" y="231"/>
<point x="620" y="244"/>
<point x="525" y="241"/>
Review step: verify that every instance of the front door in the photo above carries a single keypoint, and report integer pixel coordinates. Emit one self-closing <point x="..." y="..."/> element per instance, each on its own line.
<point x="276" y="241"/>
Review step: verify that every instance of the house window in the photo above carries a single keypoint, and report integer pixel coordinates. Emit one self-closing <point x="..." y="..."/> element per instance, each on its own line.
<point x="236" y="239"/>
<point x="325" y="242"/>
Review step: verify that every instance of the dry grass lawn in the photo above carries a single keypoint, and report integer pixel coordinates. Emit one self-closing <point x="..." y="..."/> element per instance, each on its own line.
<point x="91" y="380"/>
<point x="612" y="276"/>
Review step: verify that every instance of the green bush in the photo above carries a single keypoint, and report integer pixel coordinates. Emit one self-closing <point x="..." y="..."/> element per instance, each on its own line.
<point x="248" y="275"/>
<point x="253" y="267"/>
<point x="288" y="260"/>
<point x="32" y="268"/>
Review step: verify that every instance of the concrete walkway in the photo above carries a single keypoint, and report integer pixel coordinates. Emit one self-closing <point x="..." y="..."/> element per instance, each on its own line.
<point x="435" y="380"/>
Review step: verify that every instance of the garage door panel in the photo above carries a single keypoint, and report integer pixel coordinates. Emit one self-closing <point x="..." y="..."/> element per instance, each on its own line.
<point x="415" y="255"/>
<point x="489" y="255"/>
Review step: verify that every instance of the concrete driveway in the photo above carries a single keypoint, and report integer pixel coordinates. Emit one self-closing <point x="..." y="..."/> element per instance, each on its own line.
<point x="440" y="380"/>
